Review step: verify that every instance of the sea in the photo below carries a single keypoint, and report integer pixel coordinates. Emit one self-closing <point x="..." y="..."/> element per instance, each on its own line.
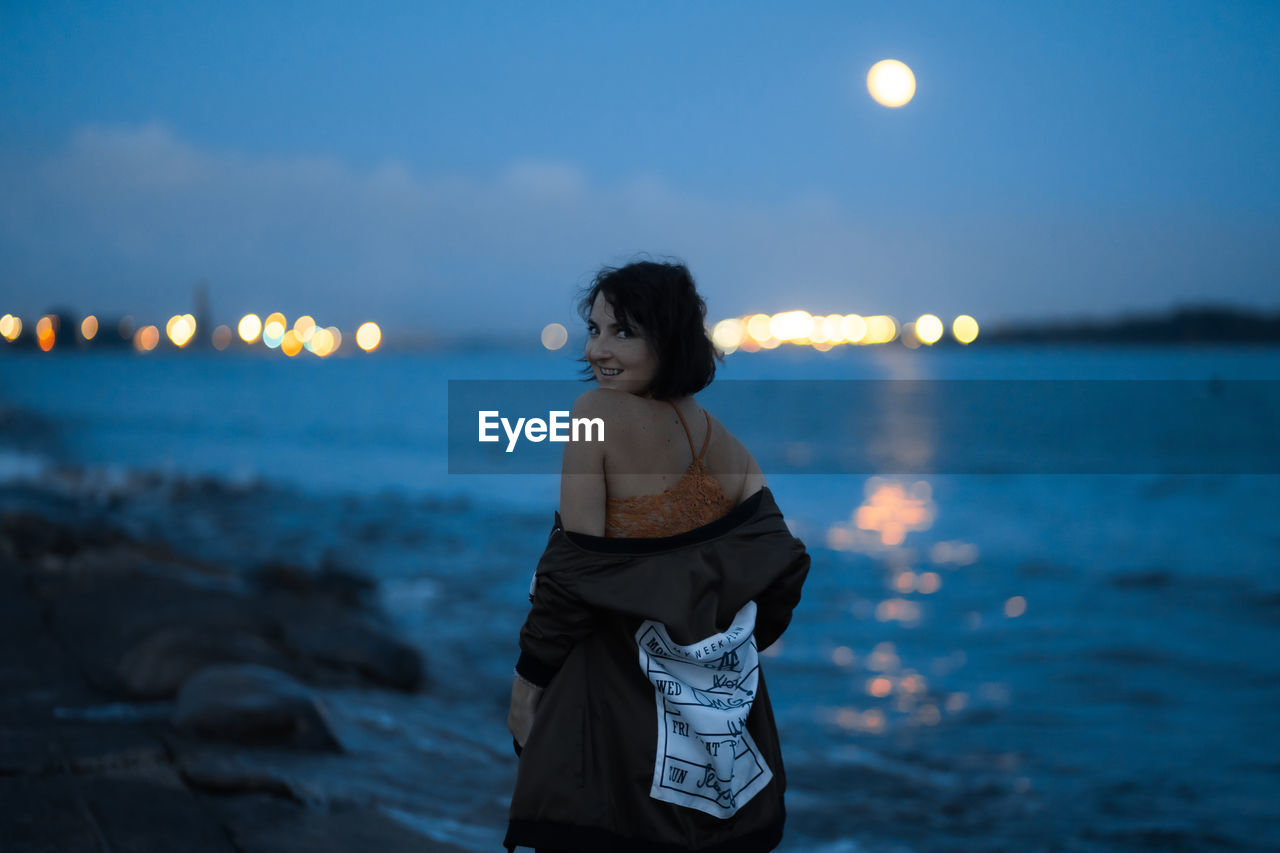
<point x="1043" y="609"/>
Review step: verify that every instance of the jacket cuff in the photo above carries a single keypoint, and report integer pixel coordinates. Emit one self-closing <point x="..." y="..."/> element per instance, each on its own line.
<point x="535" y="671"/>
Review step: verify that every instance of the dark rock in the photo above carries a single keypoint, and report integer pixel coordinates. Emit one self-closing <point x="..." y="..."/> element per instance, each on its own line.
<point x="348" y="645"/>
<point x="332" y="583"/>
<point x="158" y="665"/>
<point x="263" y="825"/>
<point x="254" y="705"/>
<point x="143" y="815"/>
<point x="119" y="628"/>
<point x="47" y="813"/>
<point x="33" y="536"/>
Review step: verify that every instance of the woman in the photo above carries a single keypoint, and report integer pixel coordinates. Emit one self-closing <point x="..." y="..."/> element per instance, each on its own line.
<point x="638" y="708"/>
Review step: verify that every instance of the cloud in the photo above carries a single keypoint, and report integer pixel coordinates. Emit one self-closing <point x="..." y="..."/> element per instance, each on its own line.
<point x="127" y="219"/>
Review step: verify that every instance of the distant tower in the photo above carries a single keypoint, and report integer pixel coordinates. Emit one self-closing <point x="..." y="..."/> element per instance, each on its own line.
<point x="204" y="317"/>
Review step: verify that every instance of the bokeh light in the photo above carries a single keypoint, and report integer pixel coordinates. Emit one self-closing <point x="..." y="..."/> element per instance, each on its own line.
<point x="1015" y="606"/>
<point x="881" y="329"/>
<point x="854" y="328"/>
<point x="368" y="336"/>
<point x="10" y="327"/>
<point x="758" y="328"/>
<point x="337" y="339"/>
<point x="964" y="329"/>
<point x="728" y="334"/>
<point x="46" y="332"/>
<point x="554" y="336"/>
<point x="290" y="344"/>
<point x="221" y="338"/>
<point x="180" y="329"/>
<point x="273" y="329"/>
<point x="304" y="327"/>
<point x="250" y="327"/>
<point x="320" y="342"/>
<point x="89" y="327"/>
<point x="791" y="325"/>
<point x="929" y="328"/>
<point x="146" y="339"/>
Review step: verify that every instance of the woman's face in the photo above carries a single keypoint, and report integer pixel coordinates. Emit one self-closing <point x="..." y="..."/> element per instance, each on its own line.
<point x="619" y="355"/>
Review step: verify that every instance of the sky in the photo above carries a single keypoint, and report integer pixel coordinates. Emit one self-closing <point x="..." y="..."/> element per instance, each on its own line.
<point x="464" y="168"/>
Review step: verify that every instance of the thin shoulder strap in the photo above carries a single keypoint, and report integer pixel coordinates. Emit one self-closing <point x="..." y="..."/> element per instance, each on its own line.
<point x="688" y="436"/>
<point x="706" y="440"/>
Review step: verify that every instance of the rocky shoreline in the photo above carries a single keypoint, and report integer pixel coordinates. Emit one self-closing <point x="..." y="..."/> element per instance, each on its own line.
<point x="148" y="695"/>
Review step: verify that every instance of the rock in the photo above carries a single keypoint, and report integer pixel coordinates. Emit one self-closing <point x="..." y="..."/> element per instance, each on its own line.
<point x="140" y="635"/>
<point x="254" y="705"/>
<point x="259" y="824"/>
<point x="345" y="644"/>
<point x="32" y="536"/>
<point x="332" y="583"/>
<point x="161" y="662"/>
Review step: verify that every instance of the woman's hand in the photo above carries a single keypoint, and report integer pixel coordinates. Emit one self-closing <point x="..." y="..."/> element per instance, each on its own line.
<point x="524" y="705"/>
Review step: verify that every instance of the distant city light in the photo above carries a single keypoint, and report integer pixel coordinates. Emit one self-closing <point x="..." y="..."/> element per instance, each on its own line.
<point x="929" y="328"/>
<point x="881" y="329"/>
<point x="320" y="342"/>
<point x="221" y="338"/>
<point x="89" y="327"/>
<point x="823" y="332"/>
<point x="10" y="327"/>
<point x="554" y="336"/>
<point x="304" y="327"/>
<point x="273" y="329"/>
<point x="337" y="338"/>
<point x="146" y="339"/>
<point x="791" y="325"/>
<point x="758" y="327"/>
<point x="250" y="327"/>
<point x="290" y="345"/>
<point x="180" y="329"/>
<point x="728" y="334"/>
<point x="854" y="328"/>
<point x="965" y="329"/>
<point x="368" y="336"/>
<point x="46" y="333"/>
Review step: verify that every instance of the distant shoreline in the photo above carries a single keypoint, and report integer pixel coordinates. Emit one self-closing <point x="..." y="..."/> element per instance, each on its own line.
<point x="1187" y="325"/>
<point x="1200" y="324"/>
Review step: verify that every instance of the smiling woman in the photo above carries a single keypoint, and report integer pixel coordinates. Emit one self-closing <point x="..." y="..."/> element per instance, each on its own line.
<point x="639" y="706"/>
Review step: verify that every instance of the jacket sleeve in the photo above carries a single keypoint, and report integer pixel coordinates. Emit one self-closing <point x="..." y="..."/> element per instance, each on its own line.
<point x="774" y="605"/>
<point x="557" y="620"/>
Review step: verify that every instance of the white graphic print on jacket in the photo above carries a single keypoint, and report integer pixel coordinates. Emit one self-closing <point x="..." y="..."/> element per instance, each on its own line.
<point x="706" y="760"/>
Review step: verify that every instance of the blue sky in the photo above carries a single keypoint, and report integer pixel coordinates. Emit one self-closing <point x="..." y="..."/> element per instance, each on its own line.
<point x="466" y="166"/>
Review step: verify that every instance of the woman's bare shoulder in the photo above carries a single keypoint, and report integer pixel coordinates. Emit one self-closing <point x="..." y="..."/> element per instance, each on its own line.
<point x="733" y="459"/>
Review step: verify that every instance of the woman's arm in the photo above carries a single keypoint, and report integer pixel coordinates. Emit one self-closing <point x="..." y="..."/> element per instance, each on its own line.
<point x="582" y="510"/>
<point x="582" y="482"/>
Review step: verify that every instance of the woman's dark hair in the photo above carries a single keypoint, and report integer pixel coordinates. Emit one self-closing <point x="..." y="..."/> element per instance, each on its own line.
<point x="663" y="301"/>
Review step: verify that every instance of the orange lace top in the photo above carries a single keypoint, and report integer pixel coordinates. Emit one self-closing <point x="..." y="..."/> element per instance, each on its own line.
<point x="696" y="499"/>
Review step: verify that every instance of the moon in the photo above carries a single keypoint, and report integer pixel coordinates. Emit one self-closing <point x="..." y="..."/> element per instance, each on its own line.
<point x="891" y="83"/>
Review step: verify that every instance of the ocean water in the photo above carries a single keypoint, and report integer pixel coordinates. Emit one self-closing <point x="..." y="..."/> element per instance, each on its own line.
<point x="1031" y="655"/>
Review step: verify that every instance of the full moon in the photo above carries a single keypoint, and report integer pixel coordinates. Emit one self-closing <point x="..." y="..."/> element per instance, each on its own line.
<point x="891" y="83"/>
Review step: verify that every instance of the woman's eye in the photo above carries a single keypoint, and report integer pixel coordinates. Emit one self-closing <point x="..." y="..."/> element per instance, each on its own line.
<point x="624" y="333"/>
<point x="592" y="330"/>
